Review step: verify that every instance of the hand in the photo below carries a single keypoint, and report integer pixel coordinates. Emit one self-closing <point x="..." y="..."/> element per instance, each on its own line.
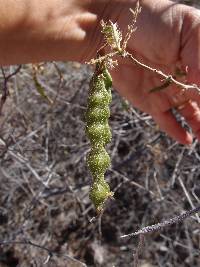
<point x="167" y="36"/>
<point x="50" y="30"/>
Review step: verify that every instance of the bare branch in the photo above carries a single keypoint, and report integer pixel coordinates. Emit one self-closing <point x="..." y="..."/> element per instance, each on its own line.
<point x="50" y="252"/>
<point x="162" y="225"/>
<point x="5" y="91"/>
<point x="169" y="79"/>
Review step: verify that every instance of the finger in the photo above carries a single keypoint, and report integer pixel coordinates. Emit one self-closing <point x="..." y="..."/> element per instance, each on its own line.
<point x="193" y="94"/>
<point x="178" y="97"/>
<point x="169" y="124"/>
<point x="191" y="113"/>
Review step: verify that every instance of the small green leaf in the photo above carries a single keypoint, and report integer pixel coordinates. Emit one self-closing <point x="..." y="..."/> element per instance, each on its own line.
<point x="41" y="90"/>
<point x="161" y="87"/>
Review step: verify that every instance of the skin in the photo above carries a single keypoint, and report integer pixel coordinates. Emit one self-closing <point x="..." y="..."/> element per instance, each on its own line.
<point x="167" y="35"/>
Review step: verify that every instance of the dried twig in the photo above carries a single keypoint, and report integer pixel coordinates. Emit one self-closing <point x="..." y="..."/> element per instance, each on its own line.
<point x="187" y="196"/>
<point x="50" y="252"/>
<point x="162" y="225"/>
<point x="138" y="250"/>
<point x="168" y="79"/>
<point x="5" y="91"/>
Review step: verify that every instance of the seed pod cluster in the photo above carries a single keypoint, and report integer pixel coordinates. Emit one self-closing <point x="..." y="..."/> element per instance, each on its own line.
<point x="98" y="131"/>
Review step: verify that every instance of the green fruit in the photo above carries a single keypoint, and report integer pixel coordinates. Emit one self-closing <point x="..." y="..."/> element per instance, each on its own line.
<point x="99" y="99"/>
<point x="98" y="131"/>
<point x="98" y="161"/>
<point x="99" y="193"/>
<point x="96" y="114"/>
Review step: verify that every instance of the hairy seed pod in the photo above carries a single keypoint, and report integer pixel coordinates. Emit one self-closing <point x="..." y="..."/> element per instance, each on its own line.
<point x="98" y="131"/>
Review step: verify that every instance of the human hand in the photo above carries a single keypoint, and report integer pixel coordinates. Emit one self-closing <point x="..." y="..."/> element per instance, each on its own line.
<point x="167" y="36"/>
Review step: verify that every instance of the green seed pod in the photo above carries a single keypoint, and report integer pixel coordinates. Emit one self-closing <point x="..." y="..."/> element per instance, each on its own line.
<point x="97" y="114"/>
<point x="98" y="131"/>
<point x="99" y="192"/>
<point x="98" y="161"/>
<point x="99" y="99"/>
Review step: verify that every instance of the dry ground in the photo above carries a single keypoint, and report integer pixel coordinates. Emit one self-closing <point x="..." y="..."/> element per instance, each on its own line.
<point x="45" y="183"/>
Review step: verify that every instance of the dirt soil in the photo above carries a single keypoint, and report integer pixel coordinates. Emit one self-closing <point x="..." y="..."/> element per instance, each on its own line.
<point x="45" y="212"/>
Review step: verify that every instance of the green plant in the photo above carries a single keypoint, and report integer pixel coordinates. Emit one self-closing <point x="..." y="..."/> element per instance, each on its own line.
<point x="98" y="131"/>
<point x="97" y="114"/>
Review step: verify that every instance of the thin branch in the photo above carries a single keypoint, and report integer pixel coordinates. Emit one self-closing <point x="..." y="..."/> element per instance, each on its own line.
<point x="5" y="91"/>
<point x="50" y="252"/>
<point x="118" y="174"/>
<point x="187" y="196"/>
<point x="167" y="78"/>
<point x="138" y="250"/>
<point x="131" y="27"/>
<point x="162" y="225"/>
